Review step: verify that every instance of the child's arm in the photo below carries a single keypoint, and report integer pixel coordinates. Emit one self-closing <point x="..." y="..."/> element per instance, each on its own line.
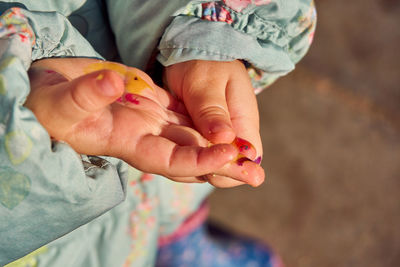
<point x="46" y="188"/>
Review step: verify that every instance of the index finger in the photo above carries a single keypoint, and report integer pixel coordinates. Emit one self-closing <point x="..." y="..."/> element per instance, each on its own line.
<point x="162" y="156"/>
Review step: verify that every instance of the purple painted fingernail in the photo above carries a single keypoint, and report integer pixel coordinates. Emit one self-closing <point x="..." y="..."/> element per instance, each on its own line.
<point x="258" y="160"/>
<point x="202" y="178"/>
<point x="241" y="161"/>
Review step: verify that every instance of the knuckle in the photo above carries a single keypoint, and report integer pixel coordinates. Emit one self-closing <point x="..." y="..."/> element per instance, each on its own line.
<point x="82" y="98"/>
<point x="215" y="110"/>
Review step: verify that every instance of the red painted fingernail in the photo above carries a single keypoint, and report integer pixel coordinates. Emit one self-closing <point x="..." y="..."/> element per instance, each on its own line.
<point x="132" y="99"/>
<point x="242" y="144"/>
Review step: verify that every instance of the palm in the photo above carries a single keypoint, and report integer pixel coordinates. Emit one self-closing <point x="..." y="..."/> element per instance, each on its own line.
<point x="123" y="128"/>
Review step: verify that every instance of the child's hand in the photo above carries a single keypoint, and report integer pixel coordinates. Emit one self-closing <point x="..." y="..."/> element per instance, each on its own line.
<point x="221" y="102"/>
<point x="148" y="130"/>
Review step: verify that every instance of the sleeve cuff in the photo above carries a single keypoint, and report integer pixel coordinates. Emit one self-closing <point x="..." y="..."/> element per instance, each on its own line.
<point x="189" y="38"/>
<point x="270" y="36"/>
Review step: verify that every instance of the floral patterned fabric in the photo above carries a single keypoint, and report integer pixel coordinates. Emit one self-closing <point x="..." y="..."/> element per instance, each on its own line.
<point x="275" y="33"/>
<point x="14" y="22"/>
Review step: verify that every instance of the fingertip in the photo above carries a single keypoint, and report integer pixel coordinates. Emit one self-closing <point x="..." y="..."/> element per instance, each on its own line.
<point x="256" y="175"/>
<point x="246" y="171"/>
<point x="257" y="182"/>
<point x="220" y="133"/>
<point x="109" y="83"/>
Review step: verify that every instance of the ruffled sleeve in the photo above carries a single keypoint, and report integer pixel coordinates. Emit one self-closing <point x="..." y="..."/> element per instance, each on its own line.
<point x="270" y="36"/>
<point x="46" y="188"/>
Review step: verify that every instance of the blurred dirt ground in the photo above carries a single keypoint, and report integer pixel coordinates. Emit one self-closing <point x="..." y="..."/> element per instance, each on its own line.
<point x="331" y="134"/>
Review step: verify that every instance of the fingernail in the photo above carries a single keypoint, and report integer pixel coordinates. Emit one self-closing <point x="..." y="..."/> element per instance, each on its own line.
<point x="241" y="160"/>
<point x="218" y="127"/>
<point x="132" y="99"/>
<point x="202" y="178"/>
<point x="258" y="160"/>
<point x="242" y="144"/>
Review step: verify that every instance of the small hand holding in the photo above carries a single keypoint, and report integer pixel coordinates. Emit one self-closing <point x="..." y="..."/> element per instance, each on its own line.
<point x="221" y="102"/>
<point x="146" y="130"/>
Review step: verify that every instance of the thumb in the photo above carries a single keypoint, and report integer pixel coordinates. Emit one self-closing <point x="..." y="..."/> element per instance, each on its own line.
<point x="93" y="91"/>
<point x="79" y="98"/>
<point x="65" y="104"/>
<point x="210" y="114"/>
<point x="202" y="86"/>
